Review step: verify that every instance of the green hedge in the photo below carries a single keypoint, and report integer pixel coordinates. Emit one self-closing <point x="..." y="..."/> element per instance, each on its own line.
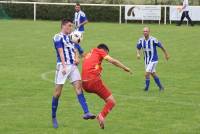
<point x="57" y="12"/>
<point x="22" y="11"/>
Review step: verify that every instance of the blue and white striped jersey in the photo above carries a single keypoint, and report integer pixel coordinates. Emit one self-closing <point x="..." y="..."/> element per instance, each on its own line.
<point x="79" y="17"/>
<point x="62" y="41"/>
<point x="149" y="48"/>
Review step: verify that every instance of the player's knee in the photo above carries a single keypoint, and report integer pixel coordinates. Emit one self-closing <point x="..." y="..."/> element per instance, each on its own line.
<point x="79" y="91"/>
<point x="114" y="102"/>
<point x="57" y="94"/>
<point x="147" y="75"/>
<point x="78" y="87"/>
<point x="153" y="74"/>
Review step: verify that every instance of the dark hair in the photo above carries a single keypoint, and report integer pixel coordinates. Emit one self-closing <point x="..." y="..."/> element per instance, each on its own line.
<point x="78" y="4"/>
<point x="65" y="21"/>
<point x="103" y="46"/>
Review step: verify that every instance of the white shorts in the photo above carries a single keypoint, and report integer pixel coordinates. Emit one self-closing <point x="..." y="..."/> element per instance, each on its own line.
<point x="72" y="74"/>
<point x="151" y="67"/>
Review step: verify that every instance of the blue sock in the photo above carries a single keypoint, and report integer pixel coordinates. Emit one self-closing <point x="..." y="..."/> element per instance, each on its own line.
<point x="147" y="82"/>
<point x="82" y="102"/>
<point x="54" y="106"/>
<point x="157" y="81"/>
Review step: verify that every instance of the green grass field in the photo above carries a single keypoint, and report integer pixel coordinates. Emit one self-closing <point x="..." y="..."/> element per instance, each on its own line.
<point x="27" y="64"/>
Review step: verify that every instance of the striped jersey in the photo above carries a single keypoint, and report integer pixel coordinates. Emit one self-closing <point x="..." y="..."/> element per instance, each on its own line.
<point x="79" y="17"/>
<point x="62" y="41"/>
<point x="149" y="48"/>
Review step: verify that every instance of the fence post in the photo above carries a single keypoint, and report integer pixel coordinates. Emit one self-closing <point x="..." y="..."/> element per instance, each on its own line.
<point x="165" y="17"/>
<point x="120" y="14"/>
<point x="34" y="10"/>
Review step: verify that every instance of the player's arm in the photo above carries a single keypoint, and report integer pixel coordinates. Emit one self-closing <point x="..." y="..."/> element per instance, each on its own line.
<point x="80" y="50"/>
<point x="85" y="20"/>
<point x="76" y="57"/>
<point x="138" y="49"/>
<point x="138" y="52"/>
<point x="117" y="63"/>
<point x="62" y="57"/>
<point x="163" y="49"/>
<point x="83" y="23"/>
<point x="165" y="53"/>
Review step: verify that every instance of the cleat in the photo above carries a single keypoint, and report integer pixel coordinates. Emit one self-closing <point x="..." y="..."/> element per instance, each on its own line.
<point x="161" y="89"/>
<point x="101" y="119"/>
<point x="89" y="116"/>
<point x="146" y="89"/>
<point x="55" y="123"/>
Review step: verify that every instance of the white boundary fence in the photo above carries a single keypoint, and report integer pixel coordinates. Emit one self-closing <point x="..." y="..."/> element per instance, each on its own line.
<point x="103" y="5"/>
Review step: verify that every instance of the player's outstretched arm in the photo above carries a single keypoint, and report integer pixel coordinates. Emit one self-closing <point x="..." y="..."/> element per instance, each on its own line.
<point x="60" y="51"/>
<point x="117" y="63"/>
<point x="165" y="53"/>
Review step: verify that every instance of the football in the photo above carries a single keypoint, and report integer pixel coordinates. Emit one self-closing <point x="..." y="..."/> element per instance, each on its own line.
<point x="76" y="37"/>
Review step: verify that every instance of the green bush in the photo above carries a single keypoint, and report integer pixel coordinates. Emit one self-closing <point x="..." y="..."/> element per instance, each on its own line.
<point x="57" y="12"/>
<point x="22" y="11"/>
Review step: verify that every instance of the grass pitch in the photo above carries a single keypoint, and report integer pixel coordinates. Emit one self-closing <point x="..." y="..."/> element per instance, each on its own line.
<point x="27" y="64"/>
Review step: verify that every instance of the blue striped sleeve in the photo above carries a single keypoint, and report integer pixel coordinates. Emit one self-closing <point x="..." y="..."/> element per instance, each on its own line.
<point x="159" y="44"/>
<point x="79" y="48"/>
<point x="58" y="41"/>
<point x="139" y="44"/>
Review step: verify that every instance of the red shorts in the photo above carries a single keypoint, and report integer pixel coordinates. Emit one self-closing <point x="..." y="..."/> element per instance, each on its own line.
<point x="96" y="86"/>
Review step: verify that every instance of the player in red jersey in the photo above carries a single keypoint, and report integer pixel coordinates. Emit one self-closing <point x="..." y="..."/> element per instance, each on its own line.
<point x="91" y="78"/>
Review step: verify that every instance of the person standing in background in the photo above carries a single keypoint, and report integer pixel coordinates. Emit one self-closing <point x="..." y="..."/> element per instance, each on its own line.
<point x="185" y="9"/>
<point x="80" y="18"/>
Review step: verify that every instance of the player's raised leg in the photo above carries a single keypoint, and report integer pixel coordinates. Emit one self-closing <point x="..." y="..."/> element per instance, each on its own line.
<point x="55" y="99"/>
<point x="78" y="87"/>
<point x="157" y="81"/>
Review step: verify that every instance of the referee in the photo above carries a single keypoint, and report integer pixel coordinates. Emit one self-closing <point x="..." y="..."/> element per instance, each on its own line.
<point x="185" y="13"/>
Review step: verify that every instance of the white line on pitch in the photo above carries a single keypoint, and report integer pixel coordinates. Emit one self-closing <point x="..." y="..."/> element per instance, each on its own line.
<point x="44" y="77"/>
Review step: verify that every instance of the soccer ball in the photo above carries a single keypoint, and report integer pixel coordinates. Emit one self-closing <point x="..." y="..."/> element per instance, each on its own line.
<point x="76" y="37"/>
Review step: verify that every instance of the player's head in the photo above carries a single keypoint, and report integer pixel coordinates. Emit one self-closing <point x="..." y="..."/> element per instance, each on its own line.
<point x="66" y="26"/>
<point x="104" y="47"/>
<point x="146" y="32"/>
<point x="77" y="7"/>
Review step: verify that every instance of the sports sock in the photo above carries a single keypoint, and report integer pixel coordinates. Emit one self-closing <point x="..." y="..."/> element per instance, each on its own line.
<point x="54" y="106"/>
<point x="83" y="102"/>
<point x="157" y="81"/>
<point x="147" y="83"/>
<point x="107" y="108"/>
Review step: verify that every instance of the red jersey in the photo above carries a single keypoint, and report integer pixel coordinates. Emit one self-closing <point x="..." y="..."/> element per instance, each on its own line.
<point x="91" y="67"/>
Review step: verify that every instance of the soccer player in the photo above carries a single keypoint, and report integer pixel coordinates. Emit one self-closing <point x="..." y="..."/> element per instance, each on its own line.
<point x="91" y="78"/>
<point x="80" y="18"/>
<point x="67" y="60"/>
<point x="149" y="46"/>
<point x="185" y="13"/>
